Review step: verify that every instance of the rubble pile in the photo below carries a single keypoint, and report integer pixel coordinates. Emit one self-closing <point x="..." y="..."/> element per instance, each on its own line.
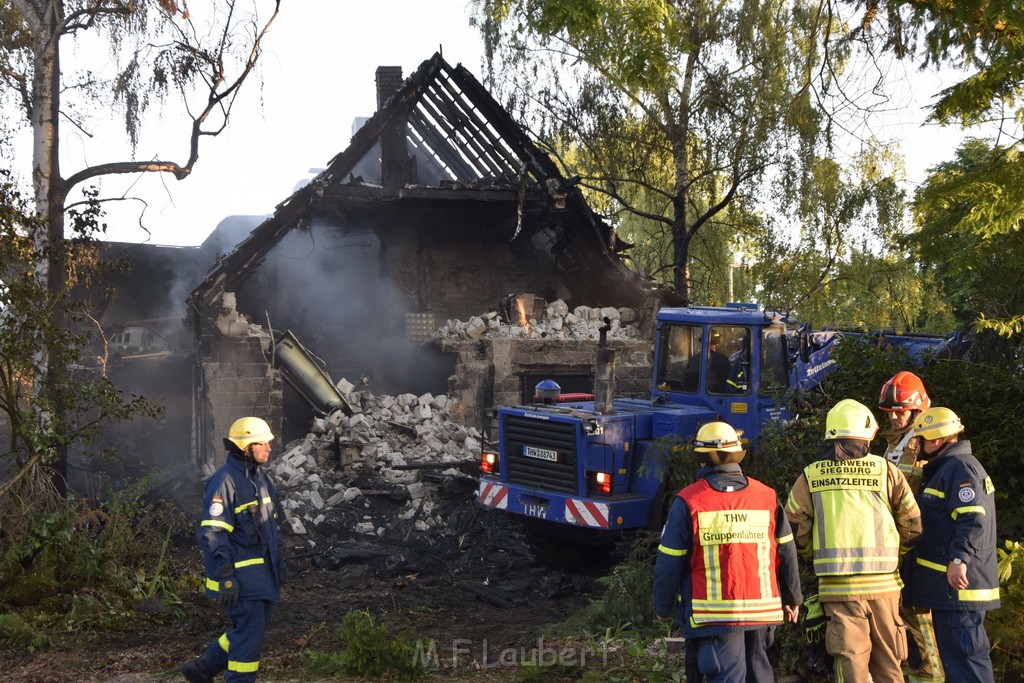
<point x="392" y="447"/>
<point x="557" y="322"/>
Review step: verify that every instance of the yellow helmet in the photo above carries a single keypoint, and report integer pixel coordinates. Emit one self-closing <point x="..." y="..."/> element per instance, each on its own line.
<point x="249" y="430"/>
<point x="717" y="436"/>
<point x="936" y="423"/>
<point x="850" y="419"/>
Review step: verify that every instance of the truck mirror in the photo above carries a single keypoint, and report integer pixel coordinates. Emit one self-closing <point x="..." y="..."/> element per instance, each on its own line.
<point x="804" y="343"/>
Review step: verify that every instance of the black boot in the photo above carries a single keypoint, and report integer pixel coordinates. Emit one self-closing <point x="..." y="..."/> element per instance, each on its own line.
<point x="195" y="671"/>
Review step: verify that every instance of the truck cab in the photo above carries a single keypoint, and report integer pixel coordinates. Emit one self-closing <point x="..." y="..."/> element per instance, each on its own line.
<point x="733" y="361"/>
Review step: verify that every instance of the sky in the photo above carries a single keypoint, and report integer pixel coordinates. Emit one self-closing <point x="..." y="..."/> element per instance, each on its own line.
<point x="316" y="77"/>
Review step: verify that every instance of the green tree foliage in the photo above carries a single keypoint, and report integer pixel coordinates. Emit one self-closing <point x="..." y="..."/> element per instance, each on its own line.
<point x="80" y="404"/>
<point x="969" y="210"/>
<point x="683" y="114"/>
<point x="845" y="265"/>
<point x="159" y="48"/>
<point x="969" y="214"/>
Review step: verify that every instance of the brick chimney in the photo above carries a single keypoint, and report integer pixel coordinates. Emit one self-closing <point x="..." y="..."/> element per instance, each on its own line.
<point x="389" y="80"/>
<point x="397" y="168"/>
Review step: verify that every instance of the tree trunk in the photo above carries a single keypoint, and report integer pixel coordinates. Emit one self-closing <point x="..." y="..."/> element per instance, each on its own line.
<point x="49" y="200"/>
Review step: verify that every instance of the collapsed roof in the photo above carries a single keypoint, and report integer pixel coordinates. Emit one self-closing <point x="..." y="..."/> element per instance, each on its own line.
<point x="442" y="137"/>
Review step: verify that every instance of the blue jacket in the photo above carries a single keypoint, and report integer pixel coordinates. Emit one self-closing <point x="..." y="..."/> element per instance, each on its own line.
<point x="672" y="593"/>
<point x="238" y="533"/>
<point x="958" y="513"/>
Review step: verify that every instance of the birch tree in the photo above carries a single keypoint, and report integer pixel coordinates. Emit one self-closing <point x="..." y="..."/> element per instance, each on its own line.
<point x="686" y="108"/>
<point x="158" y="48"/>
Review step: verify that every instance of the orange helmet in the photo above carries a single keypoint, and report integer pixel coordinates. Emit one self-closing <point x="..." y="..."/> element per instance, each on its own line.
<point x="905" y="391"/>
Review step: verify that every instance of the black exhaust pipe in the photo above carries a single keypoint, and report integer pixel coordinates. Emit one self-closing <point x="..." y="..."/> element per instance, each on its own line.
<point x="604" y="372"/>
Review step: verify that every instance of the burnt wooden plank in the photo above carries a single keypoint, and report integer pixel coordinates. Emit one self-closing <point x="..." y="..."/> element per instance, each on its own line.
<point x="500" y="145"/>
<point x="441" y="147"/>
<point x="440" y="111"/>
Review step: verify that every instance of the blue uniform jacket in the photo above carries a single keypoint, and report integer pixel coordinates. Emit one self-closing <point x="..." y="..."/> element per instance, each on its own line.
<point x="958" y="513"/>
<point x="238" y="533"/>
<point x="671" y="572"/>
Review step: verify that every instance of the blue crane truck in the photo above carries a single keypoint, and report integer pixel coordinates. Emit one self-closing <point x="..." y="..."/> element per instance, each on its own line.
<point x="586" y="466"/>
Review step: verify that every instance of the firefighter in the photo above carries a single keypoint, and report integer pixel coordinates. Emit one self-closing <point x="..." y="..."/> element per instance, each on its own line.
<point x="854" y="515"/>
<point x="242" y="552"/>
<point x="955" y="573"/>
<point x="902" y="398"/>
<point x="726" y="565"/>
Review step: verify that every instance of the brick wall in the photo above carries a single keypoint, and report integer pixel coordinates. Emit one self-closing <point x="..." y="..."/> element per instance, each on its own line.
<point x="235" y="380"/>
<point x="489" y="371"/>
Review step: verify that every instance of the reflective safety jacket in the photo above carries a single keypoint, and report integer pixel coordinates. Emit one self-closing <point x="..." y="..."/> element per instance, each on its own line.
<point x="726" y="560"/>
<point x="854" y="517"/>
<point x="238" y="532"/>
<point x="959" y="514"/>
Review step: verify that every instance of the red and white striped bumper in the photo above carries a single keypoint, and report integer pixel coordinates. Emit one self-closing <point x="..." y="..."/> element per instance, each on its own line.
<point x="586" y="513"/>
<point x="493" y="495"/>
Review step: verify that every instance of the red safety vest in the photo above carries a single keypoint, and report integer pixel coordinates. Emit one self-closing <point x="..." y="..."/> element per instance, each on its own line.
<point x="733" y="565"/>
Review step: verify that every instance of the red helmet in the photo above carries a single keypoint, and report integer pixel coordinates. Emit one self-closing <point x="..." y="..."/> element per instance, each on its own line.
<point x="905" y="391"/>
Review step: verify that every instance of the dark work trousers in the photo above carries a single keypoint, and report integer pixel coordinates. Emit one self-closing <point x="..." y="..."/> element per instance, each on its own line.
<point x="735" y="657"/>
<point x="963" y="646"/>
<point x="238" y="650"/>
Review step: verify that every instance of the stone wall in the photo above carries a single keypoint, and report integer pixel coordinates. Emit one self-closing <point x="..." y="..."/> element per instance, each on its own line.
<point x="235" y="379"/>
<point x="489" y="371"/>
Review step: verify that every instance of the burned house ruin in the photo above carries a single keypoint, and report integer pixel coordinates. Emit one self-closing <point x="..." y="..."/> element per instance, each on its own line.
<point x="439" y="208"/>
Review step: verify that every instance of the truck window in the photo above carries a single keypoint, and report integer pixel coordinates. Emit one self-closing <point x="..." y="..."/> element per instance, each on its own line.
<point x="728" y="360"/>
<point x="773" y="358"/>
<point x="679" y="363"/>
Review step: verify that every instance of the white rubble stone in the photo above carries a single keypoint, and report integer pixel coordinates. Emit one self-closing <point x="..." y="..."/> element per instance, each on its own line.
<point x="336" y="499"/>
<point x="406" y="400"/>
<point x="439" y="402"/>
<point x="425" y="399"/>
<point x="422" y="412"/>
<point x="344" y="386"/>
<point x="608" y="312"/>
<point x="417" y="490"/>
<point x="557" y="309"/>
<point x="400" y="476"/>
<point x="476" y="328"/>
<point x="319" y="519"/>
<point x="364" y="528"/>
<point x="316" y="500"/>
<point x="352" y="493"/>
<point x="319" y="425"/>
<point x="296" y="525"/>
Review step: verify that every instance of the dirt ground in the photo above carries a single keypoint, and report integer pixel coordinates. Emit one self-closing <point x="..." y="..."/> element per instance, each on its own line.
<point x="481" y="595"/>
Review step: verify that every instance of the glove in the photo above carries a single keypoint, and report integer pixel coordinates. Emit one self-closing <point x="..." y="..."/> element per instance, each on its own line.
<point x="227" y="596"/>
<point x="813" y="619"/>
<point x="282" y="571"/>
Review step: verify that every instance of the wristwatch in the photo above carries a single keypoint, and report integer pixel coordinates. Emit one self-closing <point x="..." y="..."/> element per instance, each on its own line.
<point x="957" y="560"/>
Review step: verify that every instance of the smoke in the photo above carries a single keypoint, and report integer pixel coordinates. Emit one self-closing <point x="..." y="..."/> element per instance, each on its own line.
<point x="347" y="303"/>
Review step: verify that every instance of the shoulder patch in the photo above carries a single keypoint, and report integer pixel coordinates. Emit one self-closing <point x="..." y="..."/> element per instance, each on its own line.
<point x="966" y="494"/>
<point x="216" y="509"/>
